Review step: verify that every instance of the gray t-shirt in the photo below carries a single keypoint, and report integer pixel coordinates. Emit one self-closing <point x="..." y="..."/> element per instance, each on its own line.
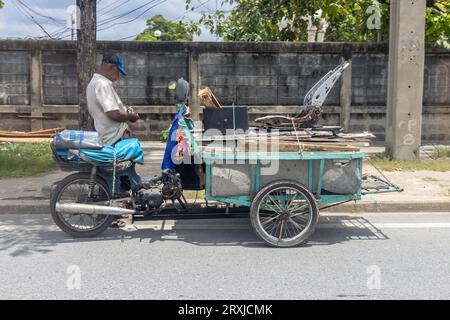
<point x="102" y="98"/>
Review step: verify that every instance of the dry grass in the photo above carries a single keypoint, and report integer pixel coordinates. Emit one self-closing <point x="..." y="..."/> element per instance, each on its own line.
<point x="385" y="163"/>
<point x="441" y="153"/>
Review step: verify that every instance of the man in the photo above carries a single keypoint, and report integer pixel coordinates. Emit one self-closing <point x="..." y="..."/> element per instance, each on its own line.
<point x="105" y="107"/>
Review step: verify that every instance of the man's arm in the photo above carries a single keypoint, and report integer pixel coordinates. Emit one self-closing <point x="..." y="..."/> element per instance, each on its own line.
<point x="123" y="115"/>
<point x="106" y="96"/>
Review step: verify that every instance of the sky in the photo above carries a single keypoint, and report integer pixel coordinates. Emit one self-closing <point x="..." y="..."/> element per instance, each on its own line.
<point x="14" y="23"/>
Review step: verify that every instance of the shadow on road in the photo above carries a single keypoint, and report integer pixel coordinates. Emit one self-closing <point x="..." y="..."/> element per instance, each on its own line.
<point x="38" y="234"/>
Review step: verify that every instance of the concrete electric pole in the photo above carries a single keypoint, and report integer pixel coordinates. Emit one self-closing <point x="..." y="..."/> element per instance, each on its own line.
<point x="405" y="81"/>
<point x="86" y="56"/>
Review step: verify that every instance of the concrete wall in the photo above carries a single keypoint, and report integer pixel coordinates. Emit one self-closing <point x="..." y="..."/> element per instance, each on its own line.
<point x="15" y="78"/>
<point x="265" y="79"/>
<point x="145" y="85"/>
<point x="271" y="78"/>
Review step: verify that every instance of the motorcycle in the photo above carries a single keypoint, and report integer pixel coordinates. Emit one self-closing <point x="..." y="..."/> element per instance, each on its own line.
<point x="106" y="185"/>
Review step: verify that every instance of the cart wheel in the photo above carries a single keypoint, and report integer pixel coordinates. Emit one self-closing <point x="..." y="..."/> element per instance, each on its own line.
<point x="284" y="213"/>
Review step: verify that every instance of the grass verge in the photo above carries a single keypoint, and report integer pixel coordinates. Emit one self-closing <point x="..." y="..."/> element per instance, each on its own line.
<point x="385" y="163"/>
<point x="441" y="153"/>
<point x="24" y="160"/>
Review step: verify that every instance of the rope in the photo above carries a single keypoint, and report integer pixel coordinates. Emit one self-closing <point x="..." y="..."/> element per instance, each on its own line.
<point x="380" y="172"/>
<point x="114" y="179"/>
<point x="300" y="146"/>
<point x="81" y="138"/>
<point x="234" y="131"/>
<point x="196" y="196"/>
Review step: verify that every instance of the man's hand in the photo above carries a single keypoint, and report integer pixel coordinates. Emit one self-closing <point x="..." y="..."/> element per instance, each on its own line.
<point x="132" y="115"/>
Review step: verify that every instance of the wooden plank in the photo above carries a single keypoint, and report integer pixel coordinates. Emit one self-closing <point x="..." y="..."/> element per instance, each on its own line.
<point x="295" y="147"/>
<point x="48" y="133"/>
<point x="38" y="118"/>
<point x="26" y="135"/>
<point x="52" y="130"/>
<point x="26" y="140"/>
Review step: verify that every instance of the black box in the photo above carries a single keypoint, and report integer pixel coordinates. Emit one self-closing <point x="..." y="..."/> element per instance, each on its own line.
<point x="221" y="119"/>
<point x="192" y="176"/>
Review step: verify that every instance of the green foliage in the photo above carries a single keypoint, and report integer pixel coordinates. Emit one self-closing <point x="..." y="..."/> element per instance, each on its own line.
<point x="349" y="20"/>
<point x="284" y="20"/>
<point x="21" y="160"/>
<point x="1" y="4"/>
<point x="170" y="31"/>
<point x="438" y="23"/>
<point x="165" y="135"/>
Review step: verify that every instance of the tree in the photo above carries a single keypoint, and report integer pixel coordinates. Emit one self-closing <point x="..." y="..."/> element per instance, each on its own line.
<point x="170" y="31"/>
<point x="286" y="20"/>
<point x="438" y="22"/>
<point x="1" y="4"/>
<point x="86" y="57"/>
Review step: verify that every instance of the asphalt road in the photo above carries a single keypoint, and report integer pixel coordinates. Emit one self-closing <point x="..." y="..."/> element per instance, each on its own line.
<point x="373" y="256"/>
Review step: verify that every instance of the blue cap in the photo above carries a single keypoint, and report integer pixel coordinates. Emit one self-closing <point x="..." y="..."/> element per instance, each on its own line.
<point x="116" y="60"/>
<point x="120" y="65"/>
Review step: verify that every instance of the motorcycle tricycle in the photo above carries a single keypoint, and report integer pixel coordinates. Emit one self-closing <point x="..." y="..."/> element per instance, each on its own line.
<point x="283" y="207"/>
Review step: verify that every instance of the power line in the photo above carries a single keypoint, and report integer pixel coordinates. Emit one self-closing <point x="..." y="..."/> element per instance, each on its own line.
<point x="191" y="10"/>
<point x="123" y="22"/>
<point x="47" y="14"/>
<point x="28" y="15"/>
<point x="173" y="20"/>
<point x="207" y="8"/>
<point x="114" y="8"/>
<point x="59" y="34"/>
<point x="30" y="9"/>
<point x="105" y="7"/>
<point x="108" y="20"/>
<point x="60" y="31"/>
<point x="106" y="23"/>
<point x="135" y="18"/>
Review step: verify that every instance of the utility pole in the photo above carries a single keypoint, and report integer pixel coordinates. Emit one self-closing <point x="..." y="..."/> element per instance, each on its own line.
<point x="405" y="83"/>
<point x="86" y="57"/>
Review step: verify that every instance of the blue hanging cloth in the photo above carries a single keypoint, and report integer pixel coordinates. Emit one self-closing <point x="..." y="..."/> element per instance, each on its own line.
<point x="167" y="162"/>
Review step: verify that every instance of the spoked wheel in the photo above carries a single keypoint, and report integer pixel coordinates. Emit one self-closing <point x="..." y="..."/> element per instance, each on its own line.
<point x="76" y="189"/>
<point x="284" y="214"/>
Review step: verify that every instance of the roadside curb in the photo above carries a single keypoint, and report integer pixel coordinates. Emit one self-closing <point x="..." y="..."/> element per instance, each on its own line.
<point x="24" y="206"/>
<point x="391" y="206"/>
<point x="43" y="207"/>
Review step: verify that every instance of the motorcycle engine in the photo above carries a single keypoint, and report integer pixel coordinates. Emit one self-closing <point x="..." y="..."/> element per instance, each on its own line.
<point x="153" y="195"/>
<point x="172" y="188"/>
<point x="149" y="199"/>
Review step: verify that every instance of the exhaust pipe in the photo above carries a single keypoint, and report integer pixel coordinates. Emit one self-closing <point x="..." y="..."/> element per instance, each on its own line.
<point x="77" y="208"/>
